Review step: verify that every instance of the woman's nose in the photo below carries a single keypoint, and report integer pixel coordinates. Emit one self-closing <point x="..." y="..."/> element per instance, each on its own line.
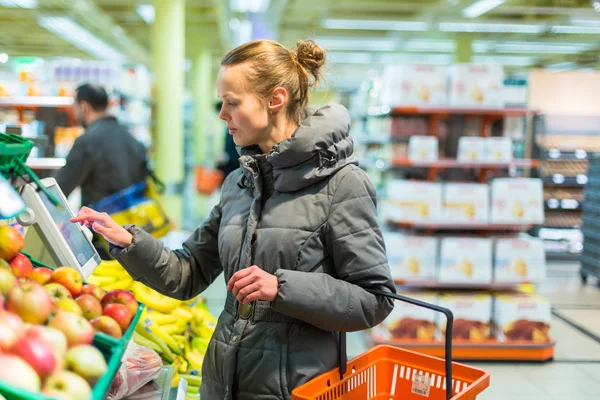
<point x="223" y="115"/>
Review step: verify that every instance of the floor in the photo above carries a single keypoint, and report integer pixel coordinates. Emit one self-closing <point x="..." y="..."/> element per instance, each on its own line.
<point x="575" y="372"/>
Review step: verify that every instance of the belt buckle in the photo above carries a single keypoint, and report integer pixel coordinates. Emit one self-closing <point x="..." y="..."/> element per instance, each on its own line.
<point x="245" y="311"/>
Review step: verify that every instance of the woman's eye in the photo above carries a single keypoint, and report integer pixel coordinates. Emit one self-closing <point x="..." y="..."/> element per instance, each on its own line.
<point x="232" y="104"/>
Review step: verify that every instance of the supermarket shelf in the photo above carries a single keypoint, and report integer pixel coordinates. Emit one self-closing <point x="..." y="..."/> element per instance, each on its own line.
<point x="567" y="181"/>
<point x="46" y="163"/>
<point x="489" y="350"/>
<point x="499" y="112"/>
<point x="566" y="155"/>
<point x="453" y="163"/>
<point x="378" y="139"/>
<point x="458" y="286"/>
<point x="36" y="101"/>
<point x="564" y="204"/>
<point x="456" y="226"/>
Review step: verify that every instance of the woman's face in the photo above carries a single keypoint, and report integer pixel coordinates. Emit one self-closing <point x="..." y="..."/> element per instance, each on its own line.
<point x="246" y="115"/>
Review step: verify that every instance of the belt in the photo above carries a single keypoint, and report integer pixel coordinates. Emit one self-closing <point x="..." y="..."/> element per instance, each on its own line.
<point x="256" y="311"/>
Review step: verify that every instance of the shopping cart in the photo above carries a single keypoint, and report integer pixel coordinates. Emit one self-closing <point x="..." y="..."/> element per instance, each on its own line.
<point x="392" y="373"/>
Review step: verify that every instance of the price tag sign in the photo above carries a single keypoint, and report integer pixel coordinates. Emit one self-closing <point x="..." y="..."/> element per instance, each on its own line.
<point x="11" y="203"/>
<point x="421" y="385"/>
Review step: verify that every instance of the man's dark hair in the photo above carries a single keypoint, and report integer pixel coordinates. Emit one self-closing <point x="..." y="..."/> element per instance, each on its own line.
<point x="94" y="95"/>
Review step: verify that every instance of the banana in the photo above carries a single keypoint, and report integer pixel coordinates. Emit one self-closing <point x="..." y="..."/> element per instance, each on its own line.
<point x="158" y="331"/>
<point x="194" y="390"/>
<point x="192" y="380"/>
<point x="109" y="269"/>
<point x="120" y="284"/>
<point x="195" y="360"/>
<point x="200" y="344"/>
<point x="183" y="314"/>
<point x="172" y="328"/>
<point x="142" y="341"/>
<point x="154" y="299"/>
<point x="101" y="280"/>
<point x="147" y="333"/>
<point x="175" y="380"/>
<point x="160" y="318"/>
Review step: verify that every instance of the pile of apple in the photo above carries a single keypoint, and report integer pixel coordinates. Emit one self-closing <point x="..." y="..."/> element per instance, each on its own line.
<point x="48" y="319"/>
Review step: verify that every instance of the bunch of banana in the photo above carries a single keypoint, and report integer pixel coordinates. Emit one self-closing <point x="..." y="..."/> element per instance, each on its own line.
<point x="110" y="275"/>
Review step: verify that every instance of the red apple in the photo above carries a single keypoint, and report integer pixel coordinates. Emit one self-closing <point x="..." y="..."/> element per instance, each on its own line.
<point x="74" y="386"/>
<point x="119" y="313"/>
<point x="18" y="373"/>
<point x="107" y="325"/>
<point x="90" y="306"/>
<point x="69" y="278"/>
<point x="11" y="330"/>
<point x="41" y="275"/>
<point x="11" y="242"/>
<point x="36" y="353"/>
<point x="53" y="337"/>
<point x="119" y="296"/>
<point x="7" y="281"/>
<point x="57" y="291"/>
<point x="21" y="266"/>
<point x="68" y="305"/>
<point x="31" y="302"/>
<point x="87" y="362"/>
<point x="94" y="290"/>
<point x="77" y="329"/>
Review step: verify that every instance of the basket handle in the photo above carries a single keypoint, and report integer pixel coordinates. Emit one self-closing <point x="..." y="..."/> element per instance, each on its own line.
<point x="448" y="344"/>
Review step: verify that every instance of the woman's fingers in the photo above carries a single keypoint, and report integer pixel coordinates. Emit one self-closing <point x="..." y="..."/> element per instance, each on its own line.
<point x="243" y="283"/>
<point x="243" y="294"/>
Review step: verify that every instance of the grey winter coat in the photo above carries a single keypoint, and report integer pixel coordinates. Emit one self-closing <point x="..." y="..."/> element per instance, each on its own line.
<point x="305" y="213"/>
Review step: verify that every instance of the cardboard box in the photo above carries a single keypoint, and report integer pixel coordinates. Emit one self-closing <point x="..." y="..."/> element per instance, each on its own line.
<point x="517" y="201"/>
<point x="415" y="85"/>
<point x="519" y="260"/>
<point x="410" y="201"/>
<point x="498" y="149"/>
<point x="411" y="257"/>
<point x="477" y="85"/>
<point x="465" y="260"/>
<point x="471" y="149"/>
<point x="522" y="318"/>
<point x="472" y="316"/>
<point x="423" y="148"/>
<point x="410" y="322"/>
<point x="466" y="202"/>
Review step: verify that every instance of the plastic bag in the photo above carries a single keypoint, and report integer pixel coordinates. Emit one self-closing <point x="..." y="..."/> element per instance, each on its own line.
<point x="139" y="366"/>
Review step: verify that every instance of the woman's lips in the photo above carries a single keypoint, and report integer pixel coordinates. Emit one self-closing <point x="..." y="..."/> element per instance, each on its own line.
<point x="232" y="131"/>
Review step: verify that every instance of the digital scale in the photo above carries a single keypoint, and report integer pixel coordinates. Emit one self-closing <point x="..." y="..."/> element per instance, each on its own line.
<point x="54" y="239"/>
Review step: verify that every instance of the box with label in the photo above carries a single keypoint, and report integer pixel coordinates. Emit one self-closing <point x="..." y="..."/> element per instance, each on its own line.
<point x="517" y="201"/>
<point x="471" y="149"/>
<point x="415" y="85"/>
<point x="466" y="202"/>
<point x="465" y="260"/>
<point x="477" y="85"/>
<point x="410" y="322"/>
<point x="472" y="316"/>
<point x="522" y="318"/>
<point x="519" y="260"/>
<point x="411" y="257"/>
<point x="411" y="201"/>
<point x="423" y="148"/>
<point x="498" y="149"/>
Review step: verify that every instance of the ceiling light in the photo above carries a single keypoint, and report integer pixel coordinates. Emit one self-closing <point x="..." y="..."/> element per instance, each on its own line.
<point x="356" y="44"/>
<point x="490" y="27"/>
<point x="349" y="58"/>
<point x="516" y="61"/>
<point x="481" y="7"/>
<point x="374" y="25"/>
<point x="585" y="22"/>
<point x="19" y="3"/>
<point x="582" y="30"/>
<point x="530" y="47"/>
<point x="147" y="12"/>
<point x="74" y="33"/>
<point x="444" y="46"/>
<point x="3" y="58"/>
<point x="249" y="6"/>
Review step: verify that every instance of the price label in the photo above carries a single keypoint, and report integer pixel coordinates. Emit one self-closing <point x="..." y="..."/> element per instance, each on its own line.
<point x="582" y="179"/>
<point x="554" y="153"/>
<point x="11" y="203"/>
<point x="580" y="154"/>
<point x="558" y="178"/>
<point x="421" y="385"/>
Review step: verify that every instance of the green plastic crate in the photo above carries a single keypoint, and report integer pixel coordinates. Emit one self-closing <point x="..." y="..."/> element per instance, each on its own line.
<point x="14" y="151"/>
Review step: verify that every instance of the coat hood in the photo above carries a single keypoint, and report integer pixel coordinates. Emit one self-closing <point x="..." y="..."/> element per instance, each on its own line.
<point x="319" y="148"/>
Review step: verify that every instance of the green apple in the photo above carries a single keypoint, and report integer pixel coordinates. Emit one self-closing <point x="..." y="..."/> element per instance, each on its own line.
<point x="87" y="362"/>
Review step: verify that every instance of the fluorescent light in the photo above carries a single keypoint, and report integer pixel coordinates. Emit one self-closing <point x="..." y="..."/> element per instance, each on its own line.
<point x="249" y="6"/>
<point x="516" y="61"/>
<point x="356" y="44"/>
<point x="80" y="37"/>
<point x="562" y="66"/>
<point x="374" y="25"/>
<point x="490" y="27"/>
<point x="3" y="58"/>
<point x="147" y="12"/>
<point x="585" y="22"/>
<point x="349" y="58"/>
<point x="530" y="47"/>
<point x="19" y="3"/>
<point x="444" y="46"/>
<point x="481" y="7"/>
<point x="583" y="30"/>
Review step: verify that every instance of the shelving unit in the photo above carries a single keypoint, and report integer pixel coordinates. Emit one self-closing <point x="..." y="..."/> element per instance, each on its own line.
<point x="438" y="226"/>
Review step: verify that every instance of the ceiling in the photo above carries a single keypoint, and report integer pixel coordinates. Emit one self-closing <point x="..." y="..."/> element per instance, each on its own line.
<point x="359" y="34"/>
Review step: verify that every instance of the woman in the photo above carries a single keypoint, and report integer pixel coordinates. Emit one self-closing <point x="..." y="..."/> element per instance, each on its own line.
<point x="295" y="233"/>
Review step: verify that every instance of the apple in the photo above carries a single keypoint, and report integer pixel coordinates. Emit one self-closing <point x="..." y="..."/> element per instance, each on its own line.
<point x="69" y="278"/>
<point x="56" y="394"/>
<point x="87" y="362"/>
<point x="120" y="296"/>
<point x="69" y="305"/>
<point x="70" y="383"/>
<point x="7" y="281"/>
<point x="18" y="373"/>
<point x="11" y="329"/>
<point x="107" y="325"/>
<point x="94" y="290"/>
<point x="53" y="337"/>
<point x="41" y="275"/>
<point x="38" y="354"/>
<point x="119" y="313"/>
<point x="21" y="266"/>
<point x="31" y="302"/>
<point x="11" y="242"/>
<point x="57" y="291"/>
<point x="90" y="306"/>
<point x="77" y="329"/>
<point x="4" y="264"/>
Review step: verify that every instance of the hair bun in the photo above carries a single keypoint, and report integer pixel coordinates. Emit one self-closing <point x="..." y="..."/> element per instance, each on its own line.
<point x="312" y="57"/>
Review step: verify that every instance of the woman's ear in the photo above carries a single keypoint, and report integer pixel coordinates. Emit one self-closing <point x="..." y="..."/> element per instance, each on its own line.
<point x="278" y="100"/>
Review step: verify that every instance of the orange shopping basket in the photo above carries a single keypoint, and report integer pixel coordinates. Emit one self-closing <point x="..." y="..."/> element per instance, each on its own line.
<point x="392" y="373"/>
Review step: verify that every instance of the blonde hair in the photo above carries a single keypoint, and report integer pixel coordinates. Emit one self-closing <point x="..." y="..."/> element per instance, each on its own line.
<point x="272" y="65"/>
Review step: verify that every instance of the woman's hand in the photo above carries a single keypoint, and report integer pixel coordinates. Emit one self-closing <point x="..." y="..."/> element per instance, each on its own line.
<point x="105" y="226"/>
<point x="252" y="284"/>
